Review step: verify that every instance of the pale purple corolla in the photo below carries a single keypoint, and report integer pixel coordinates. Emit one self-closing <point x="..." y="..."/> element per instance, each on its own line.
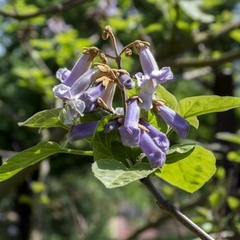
<point x="81" y="131"/>
<point x="126" y="81"/>
<point x="68" y="77"/>
<point x="151" y="77"/>
<point x="155" y="155"/>
<point x="129" y="131"/>
<point x="158" y="137"/>
<point x="71" y="95"/>
<point x="172" y="118"/>
<point x="112" y="125"/>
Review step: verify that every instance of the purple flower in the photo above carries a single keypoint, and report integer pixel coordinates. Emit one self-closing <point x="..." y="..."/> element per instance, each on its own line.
<point x="92" y="94"/>
<point x="82" y="65"/>
<point x="158" y="137"/>
<point x="151" y="77"/>
<point x="174" y="120"/>
<point x="70" y="95"/>
<point x="108" y="95"/>
<point x="155" y="155"/>
<point x="126" y="81"/>
<point x="130" y="133"/>
<point x="81" y="131"/>
<point x="112" y="125"/>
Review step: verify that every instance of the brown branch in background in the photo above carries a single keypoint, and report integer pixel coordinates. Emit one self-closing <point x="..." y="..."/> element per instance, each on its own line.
<point x="170" y="49"/>
<point x="174" y="212"/>
<point x="208" y="61"/>
<point x="61" y="7"/>
<point x="165" y="217"/>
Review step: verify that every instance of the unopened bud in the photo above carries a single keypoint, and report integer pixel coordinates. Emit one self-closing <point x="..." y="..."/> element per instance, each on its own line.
<point x="128" y="52"/>
<point x="103" y="58"/>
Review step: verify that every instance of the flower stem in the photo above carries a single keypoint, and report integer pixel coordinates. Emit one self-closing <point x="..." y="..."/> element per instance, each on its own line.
<point x="174" y="212"/>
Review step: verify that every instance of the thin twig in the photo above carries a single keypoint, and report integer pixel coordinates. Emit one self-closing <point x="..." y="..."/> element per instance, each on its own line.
<point x="164" y="217"/>
<point x="61" y="7"/>
<point x="169" y="49"/>
<point x="208" y="61"/>
<point x="174" y="212"/>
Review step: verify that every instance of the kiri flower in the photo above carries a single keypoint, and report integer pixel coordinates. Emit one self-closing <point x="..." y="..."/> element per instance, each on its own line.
<point x="129" y="132"/>
<point x="92" y="94"/>
<point x="81" y="131"/>
<point x="112" y="125"/>
<point x="150" y="67"/>
<point x="70" y="95"/>
<point x="151" y="76"/>
<point x="155" y="155"/>
<point x="173" y="119"/>
<point x="126" y="81"/>
<point x="68" y="77"/>
<point x="108" y="94"/>
<point x="158" y="137"/>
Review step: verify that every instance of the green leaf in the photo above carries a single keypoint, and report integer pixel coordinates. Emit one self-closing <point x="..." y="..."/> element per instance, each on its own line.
<point x="31" y="156"/>
<point x="180" y="148"/>
<point x="193" y="9"/>
<point x="234" y="156"/>
<point x="114" y="174"/>
<point x="46" y="119"/>
<point x="189" y="170"/>
<point x="235" y="34"/>
<point x="125" y="154"/>
<point x="170" y="99"/>
<point x="101" y="142"/>
<point x="200" y="105"/>
<point x="230" y="137"/>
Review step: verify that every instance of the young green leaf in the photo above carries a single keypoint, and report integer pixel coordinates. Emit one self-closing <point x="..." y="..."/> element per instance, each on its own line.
<point x="31" y="156"/>
<point x="200" y="105"/>
<point x="170" y="99"/>
<point x="46" y="119"/>
<point x="189" y="170"/>
<point x="101" y="142"/>
<point x="230" y="137"/>
<point x="114" y="174"/>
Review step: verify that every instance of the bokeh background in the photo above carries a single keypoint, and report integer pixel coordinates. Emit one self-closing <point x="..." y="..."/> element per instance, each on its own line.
<point x="60" y="198"/>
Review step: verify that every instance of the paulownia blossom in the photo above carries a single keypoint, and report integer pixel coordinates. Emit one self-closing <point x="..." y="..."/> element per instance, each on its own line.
<point x="68" y="77"/>
<point x="173" y="119"/>
<point x="151" y="76"/>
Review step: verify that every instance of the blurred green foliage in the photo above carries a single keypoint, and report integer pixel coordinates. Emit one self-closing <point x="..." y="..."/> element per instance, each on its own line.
<point x="69" y="198"/>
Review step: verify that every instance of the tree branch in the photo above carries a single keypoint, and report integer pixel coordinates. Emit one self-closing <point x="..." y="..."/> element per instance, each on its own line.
<point x="174" y="212"/>
<point x="165" y="217"/>
<point x="171" y="49"/>
<point x="208" y="61"/>
<point x="61" y="7"/>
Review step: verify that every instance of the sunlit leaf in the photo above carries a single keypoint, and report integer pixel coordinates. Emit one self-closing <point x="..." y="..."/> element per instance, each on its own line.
<point x="234" y="156"/>
<point x="227" y="136"/>
<point x="33" y="155"/>
<point x="114" y="174"/>
<point x="46" y="119"/>
<point x="200" y="105"/>
<point x="189" y="170"/>
<point x="193" y="9"/>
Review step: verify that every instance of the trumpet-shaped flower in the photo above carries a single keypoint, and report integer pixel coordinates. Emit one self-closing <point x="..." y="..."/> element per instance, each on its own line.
<point x="155" y="155"/>
<point x="112" y="125"/>
<point x="130" y="133"/>
<point x="151" y="77"/>
<point x="173" y="119"/>
<point x="158" y="137"/>
<point x="71" y="95"/>
<point x="81" y="131"/>
<point x="126" y="81"/>
<point x="68" y="77"/>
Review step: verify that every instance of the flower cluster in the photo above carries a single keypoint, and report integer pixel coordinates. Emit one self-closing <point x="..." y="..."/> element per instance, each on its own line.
<point x="86" y="89"/>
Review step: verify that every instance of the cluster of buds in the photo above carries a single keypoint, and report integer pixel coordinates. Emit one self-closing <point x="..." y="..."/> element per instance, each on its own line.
<point x="88" y="88"/>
